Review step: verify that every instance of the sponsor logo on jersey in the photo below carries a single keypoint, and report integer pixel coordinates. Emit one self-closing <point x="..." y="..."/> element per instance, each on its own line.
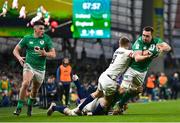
<point x="30" y="42"/>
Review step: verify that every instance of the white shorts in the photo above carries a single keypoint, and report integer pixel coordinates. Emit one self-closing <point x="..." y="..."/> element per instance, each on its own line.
<point x="133" y="79"/>
<point x="107" y="85"/>
<point x="38" y="75"/>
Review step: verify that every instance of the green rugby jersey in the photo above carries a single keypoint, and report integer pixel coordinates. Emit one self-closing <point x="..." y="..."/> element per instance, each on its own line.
<point x="46" y="15"/>
<point x="141" y="45"/>
<point x="30" y="43"/>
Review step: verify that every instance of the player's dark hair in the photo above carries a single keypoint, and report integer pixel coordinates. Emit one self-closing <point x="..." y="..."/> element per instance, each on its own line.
<point x="148" y="28"/>
<point x="65" y="59"/>
<point x="38" y="23"/>
<point x="124" y="41"/>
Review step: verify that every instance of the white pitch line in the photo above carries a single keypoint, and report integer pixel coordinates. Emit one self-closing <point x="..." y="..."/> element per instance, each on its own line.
<point x="65" y="2"/>
<point x="22" y="114"/>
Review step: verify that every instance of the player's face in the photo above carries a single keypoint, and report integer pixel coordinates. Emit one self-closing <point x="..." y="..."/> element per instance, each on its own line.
<point x="66" y="62"/>
<point x="147" y="36"/>
<point x="39" y="30"/>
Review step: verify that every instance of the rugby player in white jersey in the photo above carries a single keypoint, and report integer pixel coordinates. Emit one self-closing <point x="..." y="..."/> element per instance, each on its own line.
<point x="87" y="110"/>
<point x="99" y="101"/>
<point x="107" y="84"/>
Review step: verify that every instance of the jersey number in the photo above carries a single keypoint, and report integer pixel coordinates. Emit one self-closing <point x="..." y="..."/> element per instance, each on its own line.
<point x="152" y="47"/>
<point x="113" y="59"/>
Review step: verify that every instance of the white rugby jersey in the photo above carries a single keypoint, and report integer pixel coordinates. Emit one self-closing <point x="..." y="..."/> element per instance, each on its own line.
<point x="120" y="61"/>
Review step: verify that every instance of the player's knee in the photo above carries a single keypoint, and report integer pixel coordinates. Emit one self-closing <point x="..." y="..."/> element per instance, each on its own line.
<point x="139" y="89"/>
<point x="25" y="85"/>
<point x="34" y="94"/>
<point x="122" y="90"/>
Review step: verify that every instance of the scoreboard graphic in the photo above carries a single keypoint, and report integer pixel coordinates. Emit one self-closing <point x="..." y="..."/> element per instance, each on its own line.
<point x="91" y="19"/>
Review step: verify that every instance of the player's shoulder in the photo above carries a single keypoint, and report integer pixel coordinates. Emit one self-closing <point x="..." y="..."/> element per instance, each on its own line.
<point x="121" y="50"/>
<point x="138" y="41"/>
<point x="26" y="37"/>
<point x="46" y="36"/>
<point x="157" y="40"/>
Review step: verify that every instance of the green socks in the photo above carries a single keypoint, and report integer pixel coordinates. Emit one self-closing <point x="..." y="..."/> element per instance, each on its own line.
<point x="30" y="101"/>
<point x="125" y="99"/>
<point x="20" y="104"/>
<point x="127" y="96"/>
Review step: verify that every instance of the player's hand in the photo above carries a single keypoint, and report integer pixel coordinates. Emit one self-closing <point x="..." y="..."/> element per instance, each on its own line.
<point x="41" y="52"/>
<point x="147" y="53"/>
<point x="159" y="48"/>
<point x="21" y="60"/>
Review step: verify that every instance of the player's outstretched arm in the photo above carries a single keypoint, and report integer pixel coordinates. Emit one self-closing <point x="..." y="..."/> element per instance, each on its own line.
<point x="138" y="56"/>
<point x="17" y="55"/>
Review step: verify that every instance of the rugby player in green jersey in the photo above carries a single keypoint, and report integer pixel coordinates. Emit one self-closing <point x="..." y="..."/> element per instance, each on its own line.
<point x="38" y="47"/>
<point x="134" y="77"/>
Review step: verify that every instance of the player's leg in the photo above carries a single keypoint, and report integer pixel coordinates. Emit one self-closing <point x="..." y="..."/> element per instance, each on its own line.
<point x="131" y="85"/>
<point x="96" y="107"/>
<point x="4" y="11"/>
<point x="98" y="93"/>
<point x="62" y="109"/>
<point x="80" y="88"/>
<point x="36" y="84"/>
<point x="66" y="87"/>
<point x="105" y="84"/>
<point x="123" y="89"/>
<point x="27" y="77"/>
<point x="88" y="109"/>
<point x="105" y="103"/>
<point x="101" y="108"/>
<point x="36" y="18"/>
<point x="108" y="86"/>
<point x="90" y="98"/>
<point x="121" y="105"/>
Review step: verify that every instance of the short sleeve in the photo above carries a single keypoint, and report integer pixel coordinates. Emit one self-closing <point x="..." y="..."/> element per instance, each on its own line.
<point x="159" y="41"/>
<point x="137" y="45"/>
<point x="49" y="43"/>
<point x="22" y="42"/>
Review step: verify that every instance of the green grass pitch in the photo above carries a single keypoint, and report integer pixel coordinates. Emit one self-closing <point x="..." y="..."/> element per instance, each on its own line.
<point x="165" y="111"/>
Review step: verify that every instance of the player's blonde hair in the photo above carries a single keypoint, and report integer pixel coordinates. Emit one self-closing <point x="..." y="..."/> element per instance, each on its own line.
<point x="124" y="41"/>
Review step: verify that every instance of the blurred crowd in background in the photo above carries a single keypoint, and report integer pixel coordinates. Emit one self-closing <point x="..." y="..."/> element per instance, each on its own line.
<point x="157" y="86"/>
